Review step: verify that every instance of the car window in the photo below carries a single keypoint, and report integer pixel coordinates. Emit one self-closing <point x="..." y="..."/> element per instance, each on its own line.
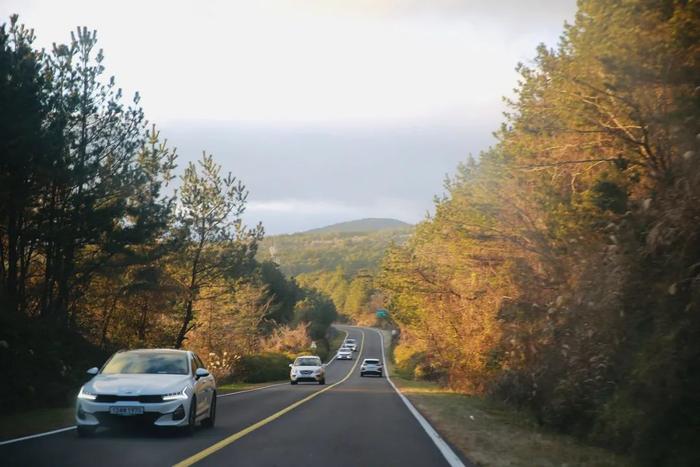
<point x="171" y="363"/>
<point x="372" y="362"/>
<point x="198" y="361"/>
<point x="307" y="361"/>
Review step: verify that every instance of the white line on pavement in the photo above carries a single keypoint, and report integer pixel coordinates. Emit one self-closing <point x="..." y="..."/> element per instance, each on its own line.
<point x="38" y="435"/>
<point x="440" y="443"/>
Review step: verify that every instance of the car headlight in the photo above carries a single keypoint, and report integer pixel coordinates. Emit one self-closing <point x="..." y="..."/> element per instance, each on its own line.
<point x="174" y="396"/>
<point x="83" y="394"/>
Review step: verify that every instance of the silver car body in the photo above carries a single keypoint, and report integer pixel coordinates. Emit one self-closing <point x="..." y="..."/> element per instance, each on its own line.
<point x="344" y="353"/>
<point x="307" y="368"/>
<point x="371" y="366"/>
<point x="152" y="399"/>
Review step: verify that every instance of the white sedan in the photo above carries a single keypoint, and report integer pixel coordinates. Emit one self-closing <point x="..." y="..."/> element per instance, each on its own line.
<point x="344" y="353"/>
<point x="158" y="387"/>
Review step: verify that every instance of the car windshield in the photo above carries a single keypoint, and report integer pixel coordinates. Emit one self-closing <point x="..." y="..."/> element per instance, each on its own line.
<point x="163" y="363"/>
<point x="350" y="341"/>
<point x="372" y="362"/>
<point x="307" y="361"/>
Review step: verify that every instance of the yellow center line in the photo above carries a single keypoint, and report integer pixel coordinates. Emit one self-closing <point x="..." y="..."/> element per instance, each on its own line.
<point x="236" y="436"/>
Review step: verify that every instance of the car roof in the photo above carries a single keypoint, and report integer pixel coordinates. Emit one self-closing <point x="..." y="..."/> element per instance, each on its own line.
<point x="309" y="356"/>
<point x="175" y="351"/>
<point x="368" y="359"/>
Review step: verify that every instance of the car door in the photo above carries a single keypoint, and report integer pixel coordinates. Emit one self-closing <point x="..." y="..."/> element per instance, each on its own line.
<point x="207" y="385"/>
<point x="200" y="387"/>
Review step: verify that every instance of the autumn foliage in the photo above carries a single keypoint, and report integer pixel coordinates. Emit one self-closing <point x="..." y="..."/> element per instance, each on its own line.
<point x="561" y="271"/>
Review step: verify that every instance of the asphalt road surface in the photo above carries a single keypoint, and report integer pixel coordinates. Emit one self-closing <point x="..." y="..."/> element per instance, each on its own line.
<point x="356" y="422"/>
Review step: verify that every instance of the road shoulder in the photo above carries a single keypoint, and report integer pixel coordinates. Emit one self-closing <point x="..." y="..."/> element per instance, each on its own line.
<point x="491" y="434"/>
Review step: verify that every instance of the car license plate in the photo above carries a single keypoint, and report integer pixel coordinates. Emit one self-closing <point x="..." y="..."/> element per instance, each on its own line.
<point x="117" y="410"/>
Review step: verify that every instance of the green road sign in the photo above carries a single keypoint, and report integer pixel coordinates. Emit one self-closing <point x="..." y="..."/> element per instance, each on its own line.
<point x="381" y="313"/>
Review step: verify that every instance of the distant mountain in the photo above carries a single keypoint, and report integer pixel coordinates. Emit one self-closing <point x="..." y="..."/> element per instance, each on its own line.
<point x="361" y="225"/>
<point x="352" y="246"/>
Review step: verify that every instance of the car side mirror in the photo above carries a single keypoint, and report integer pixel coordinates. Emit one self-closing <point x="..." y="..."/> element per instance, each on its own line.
<point x="92" y="371"/>
<point x="201" y="373"/>
<point x="290" y="365"/>
<point x="324" y="365"/>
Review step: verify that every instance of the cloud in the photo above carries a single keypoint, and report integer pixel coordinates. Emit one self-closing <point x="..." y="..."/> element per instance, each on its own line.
<point x="300" y="207"/>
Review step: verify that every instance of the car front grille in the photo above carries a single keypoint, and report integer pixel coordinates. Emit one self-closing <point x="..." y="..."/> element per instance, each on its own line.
<point x="146" y="419"/>
<point x="110" y="398"/>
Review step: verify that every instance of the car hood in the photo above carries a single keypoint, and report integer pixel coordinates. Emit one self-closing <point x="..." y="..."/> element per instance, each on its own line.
<point x="302" y="368"/>
<point x="137" y="385"/>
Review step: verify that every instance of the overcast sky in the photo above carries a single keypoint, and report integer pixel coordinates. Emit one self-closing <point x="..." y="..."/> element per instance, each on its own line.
<point x="329" y="110"/>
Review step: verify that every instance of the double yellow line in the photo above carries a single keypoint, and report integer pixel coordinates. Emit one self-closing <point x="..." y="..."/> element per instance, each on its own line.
<point x="236" y="436"/>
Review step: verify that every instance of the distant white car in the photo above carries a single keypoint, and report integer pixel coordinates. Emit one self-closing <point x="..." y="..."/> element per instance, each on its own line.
<point x="371" y="366"/>
<point x="352" y="343"/>
<point x="158" y="387"/>
<point x="344" y="353"/>
<point x="307" y="368"/>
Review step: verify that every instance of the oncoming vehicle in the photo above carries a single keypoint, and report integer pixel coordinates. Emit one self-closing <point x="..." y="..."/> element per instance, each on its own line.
<point x="371" y="366"/>
<point x="344" y="353"/>
<point x="155" y="387"/>
<point x="352" y="343"/>
<point x="307" y="368"/>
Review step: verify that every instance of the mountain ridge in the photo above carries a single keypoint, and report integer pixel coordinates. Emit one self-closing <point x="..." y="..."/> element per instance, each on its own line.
<point x="364" y="225"/>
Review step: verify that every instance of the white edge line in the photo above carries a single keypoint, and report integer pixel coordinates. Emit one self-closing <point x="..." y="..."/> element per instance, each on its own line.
<point x="440" y="443"/>
<point x="38" y="435"/>
<point x="61" y="430"/>
<point x="336" y="352"/>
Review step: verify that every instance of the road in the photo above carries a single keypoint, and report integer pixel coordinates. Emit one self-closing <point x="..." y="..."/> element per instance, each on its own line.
<point x="352" y="421"/>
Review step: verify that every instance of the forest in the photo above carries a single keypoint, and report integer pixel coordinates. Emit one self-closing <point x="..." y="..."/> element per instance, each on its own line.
<point x="106" y="244"/>
<point x="560" y="272"/>
<point x="341" y="265"/>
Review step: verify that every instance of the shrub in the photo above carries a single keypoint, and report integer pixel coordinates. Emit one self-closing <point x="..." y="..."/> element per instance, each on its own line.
<point x="263" y="367"/>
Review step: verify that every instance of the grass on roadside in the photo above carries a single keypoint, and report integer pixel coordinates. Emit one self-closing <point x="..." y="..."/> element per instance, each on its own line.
<point x="496" y="435"/>
<point x="237" y="387"/>
<point x="35" y="421"/>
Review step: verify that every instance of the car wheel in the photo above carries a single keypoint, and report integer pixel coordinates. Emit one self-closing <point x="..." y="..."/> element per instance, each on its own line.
<point x="362" y="374"/>
<point x="86" y="431"/>
<point x="323" y="381"/>
<point x="292" y="382"/>
<point x="209" y="422"/>
<point x="192" y="417"/>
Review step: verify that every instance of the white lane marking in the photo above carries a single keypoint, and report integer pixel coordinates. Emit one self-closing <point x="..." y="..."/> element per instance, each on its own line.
<point x="38" y="435"/>
<point x="61" y="430"/>
<point x="440" y="443"/>
<point x="336" y="352"/>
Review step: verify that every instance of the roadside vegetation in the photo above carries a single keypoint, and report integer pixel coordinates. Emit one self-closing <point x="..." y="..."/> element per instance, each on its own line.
<point x="339" y="262"/>
<point x="492" y="433"/>
<point x="560" y="273"/>
<point x="105" y="243"/>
